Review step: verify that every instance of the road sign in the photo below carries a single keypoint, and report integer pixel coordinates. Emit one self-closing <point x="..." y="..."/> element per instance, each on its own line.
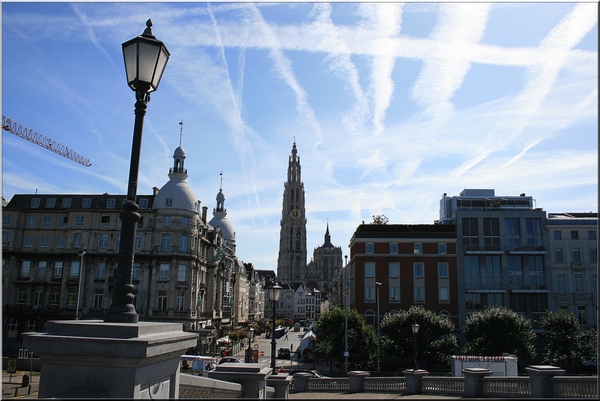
<point x="12" y="365"/>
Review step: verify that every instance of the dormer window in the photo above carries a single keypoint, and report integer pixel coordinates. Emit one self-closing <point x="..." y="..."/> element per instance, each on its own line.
<point x="110" y="203"/>
<point x="168" y="202"/>
<point x="144" y="203"/>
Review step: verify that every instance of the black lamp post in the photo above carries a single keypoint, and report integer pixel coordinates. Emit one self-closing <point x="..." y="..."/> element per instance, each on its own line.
<point x="415" y="330"/>
<point x="274" y="294"/>
<point x="249" y="335"/>
<point x="145" y="61"/>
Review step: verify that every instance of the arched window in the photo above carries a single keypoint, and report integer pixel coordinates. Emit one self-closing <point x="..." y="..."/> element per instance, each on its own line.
<point x="444" y="313"/>
<point x="30" y="325"/>
<point x="12" y="326"/>
<point x="370" y="317"/>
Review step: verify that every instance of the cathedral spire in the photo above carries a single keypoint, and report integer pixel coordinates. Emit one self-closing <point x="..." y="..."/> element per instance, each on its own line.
<point x="294" y="165"/>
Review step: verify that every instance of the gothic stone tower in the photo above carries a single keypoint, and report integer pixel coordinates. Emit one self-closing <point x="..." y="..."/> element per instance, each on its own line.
<point x="291" y="261"/>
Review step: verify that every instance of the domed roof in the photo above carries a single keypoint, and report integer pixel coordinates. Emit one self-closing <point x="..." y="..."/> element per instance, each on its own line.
<point x="179" y="152"/>
<point x="225" y="226"/>
<point x="179" y="192"/>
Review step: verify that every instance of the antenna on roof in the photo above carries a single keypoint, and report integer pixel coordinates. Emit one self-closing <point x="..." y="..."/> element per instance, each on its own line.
<point x="180" y="131"/>
<point x="221" y="187"/>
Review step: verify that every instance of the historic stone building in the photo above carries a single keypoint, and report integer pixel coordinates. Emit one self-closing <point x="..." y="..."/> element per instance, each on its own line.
<point x="291" y="263"/>
<point x="60" y="257"/>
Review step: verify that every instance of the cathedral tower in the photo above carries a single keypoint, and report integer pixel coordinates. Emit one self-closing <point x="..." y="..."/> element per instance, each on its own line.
<point x="291" y="261"/>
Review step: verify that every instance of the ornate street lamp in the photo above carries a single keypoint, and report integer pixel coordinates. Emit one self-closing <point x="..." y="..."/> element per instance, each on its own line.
<point x="249" y="335"/>
<point x="80" y="254"/>
<point x="145" y="61"/>
<point x="274" y="291"/>
<point x="415" y="330"/>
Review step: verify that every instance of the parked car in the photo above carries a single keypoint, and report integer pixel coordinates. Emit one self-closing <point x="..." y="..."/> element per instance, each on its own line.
<point x="283" y="353"/>
<point x="229" y="359"/>
<point x="314" y="373"/>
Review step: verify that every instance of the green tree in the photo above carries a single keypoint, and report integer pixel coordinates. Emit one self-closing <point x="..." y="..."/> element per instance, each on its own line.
<point x="380" y="219"/>
<point x="362" y="345"/>
<point x="435" y="341"/>
<point x="497" y="331"/>
<point x="568" y="343"/>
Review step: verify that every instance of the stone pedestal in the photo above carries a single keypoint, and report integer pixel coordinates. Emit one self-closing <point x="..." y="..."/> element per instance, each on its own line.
<point x="281" y="384"/>
<point x="413" y="377"/>
<point x="473" y="383"/>
<point x="539" y="377"/>
<point x="301" y="382"/>
<point x="356" y="381"/>
<point x="114" y="360"/>
<point x="252" y="376"/>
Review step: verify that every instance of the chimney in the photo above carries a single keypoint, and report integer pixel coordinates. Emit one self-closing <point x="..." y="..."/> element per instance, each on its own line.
<point x="155" y="190"/>
<point x="204" y="210"/>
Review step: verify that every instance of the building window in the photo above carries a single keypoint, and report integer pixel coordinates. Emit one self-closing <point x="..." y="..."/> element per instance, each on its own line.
<point x="41" y="271"/>
<point x="104" y="221"/>
<point x="533" y="232"/>
<point x="77" y="240"/>
<point x="185" y="221"/>
<point x="61" y="241"/>
<point x="442" y="248"/>
<point x="138" y="241"/>
<point x="31" y="221"/>
<point x="71" y="297"/>
<point x="492" y="272"/>
<point x="472" y="273"/>
<point x="110" y="203"/>
<point x="494" y="299"/>
<point x="101" y="271"/>
<point x="168" y="202"/>
<point x="578" y="282"/>
<point x="5" y="219"/>
<point x="369" y="248"/>
<point x="50" y="203"/>
<point x="21" y="296"/>
<point x="581" y="315"/>
<point x="557" y="235"/>
<point x="513" y="233"/>
<point x="183" y="243"/>
<point x="86" y="203"/>
<point x="180" y="299"/>
<point x="38" y="296"/>
<point x="593" y="254"/>
<point x="79" y="220"/>
<point x="536" y="272"/>
<point x="144" y="203"/>
<point x="592" y="235"/>
<point x="472" y="302"/>
<point x="35" y="203"/>
<point x="45" y="241"/>
<point x="394" y="248"/>
<point x="443" y="283"/>
<point x="66" y="203"/>
<point x="135" y="272"/>
<point x="47" y="221"/>
<point x="418" y="248"/>
<point x="558" y="255"/>
<point x="166" y="242"/>
<point x="491" y="233"/>
<point x="181" y="272"/>
<point x="163" y="274"/>
<point x="394" y="282"/>
<point x="162" y="300"/>
<point x="574" y="234"/>
<point x="103" y="241"/>
<point x="98" y="299"/>
<point x="74" y="269"/>
<point x="594" y="280"/>
<point x="418" y="283"/>
<point x="54" y="297"/>
<point x="369" y="282"/>
<point x="576" y="254"/>
<point x="470" y="234"/>
<point x="167" y="221"/>
<point x="58" y="267"/>
<point x="4" y="238"/>
<point x="64" y="221"/>
<point x="28" y="243"/>
<point x="561" y="282"/>
<point x="25" y="269"/>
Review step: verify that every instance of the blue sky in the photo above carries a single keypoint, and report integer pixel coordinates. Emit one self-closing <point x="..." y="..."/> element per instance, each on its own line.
<point x="391" y="105"/>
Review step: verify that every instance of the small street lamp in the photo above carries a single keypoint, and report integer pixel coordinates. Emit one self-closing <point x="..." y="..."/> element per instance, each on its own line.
<point x="80" y="254"/>
<point x="145" y="61"/>
<point x="249" y="335"/>
<point x="415" y="330"/>
<point x="274" y="291"/>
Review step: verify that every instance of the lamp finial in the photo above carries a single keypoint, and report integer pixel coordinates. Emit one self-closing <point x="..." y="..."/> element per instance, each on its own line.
<point x="148" y="30"/>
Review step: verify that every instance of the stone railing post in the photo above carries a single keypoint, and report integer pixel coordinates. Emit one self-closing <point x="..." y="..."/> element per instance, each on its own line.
<point x="539" y="377"/>
<point x="301" y="382"/>
<point x="473" y="383"/>
<point x="356" y="381"/>
<point x="252" y="376"/>
<point x="281" y="384"/>
<point x="413" y="380"/>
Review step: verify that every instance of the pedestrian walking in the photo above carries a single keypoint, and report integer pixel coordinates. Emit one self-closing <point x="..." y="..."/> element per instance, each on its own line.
<point x="285" y="338"/>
